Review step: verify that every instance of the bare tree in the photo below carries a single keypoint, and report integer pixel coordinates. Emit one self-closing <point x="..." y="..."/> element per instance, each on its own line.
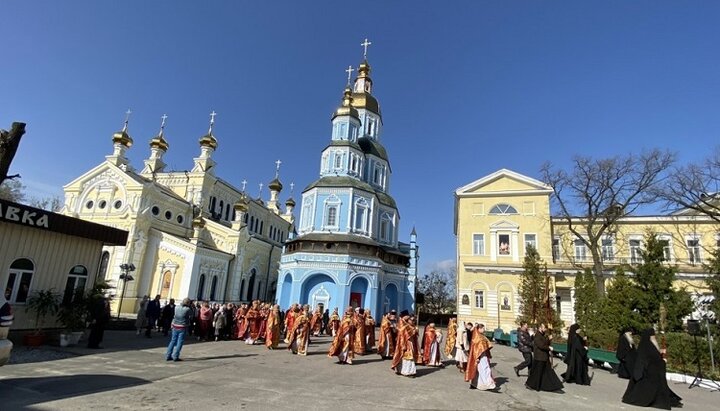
<point x="438" y="288"/>
<point x="54" y="203"/>
<point x="9" y="142"/>
<point x="695" y="187"/>
<point x="597" y="192"/>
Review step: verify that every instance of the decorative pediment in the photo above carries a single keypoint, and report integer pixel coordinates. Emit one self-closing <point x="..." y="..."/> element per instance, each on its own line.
<point x="504" y="225"/>
<point x="504" y="181"/>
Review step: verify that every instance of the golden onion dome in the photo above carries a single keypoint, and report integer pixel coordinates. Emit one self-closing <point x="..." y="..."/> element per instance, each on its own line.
<point x="122" y="137"/>
<point x="364" y="69"/>
<point x="275" y="185"/>
<point x="346" y="108"/>
<point x="159" y="142"/>
<point x="208" y="140"/>
<point x="290" y="202"/>
<point x="241" y="204"/>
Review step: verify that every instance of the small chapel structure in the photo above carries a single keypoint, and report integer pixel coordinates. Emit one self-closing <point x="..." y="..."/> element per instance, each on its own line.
<point x="191" y="233"/>
<point x="348" y="250"/>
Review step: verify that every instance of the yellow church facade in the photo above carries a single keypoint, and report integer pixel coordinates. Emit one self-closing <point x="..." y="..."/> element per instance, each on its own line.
<point x="191" y="233"/>
<point x="498" y="215"/>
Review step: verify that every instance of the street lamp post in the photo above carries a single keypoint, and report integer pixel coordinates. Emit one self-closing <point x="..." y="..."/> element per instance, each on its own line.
<point x="125" y="276"/>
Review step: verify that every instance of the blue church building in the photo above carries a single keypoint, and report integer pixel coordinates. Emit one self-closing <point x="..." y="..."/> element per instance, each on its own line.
<point x="347" y="250"/>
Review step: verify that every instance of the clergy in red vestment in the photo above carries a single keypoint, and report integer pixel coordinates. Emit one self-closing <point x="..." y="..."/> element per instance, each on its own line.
<point x="388" y="336"/>
<point x="334" y="322"/>
<point x="359" y="322"/>
<point x="240" y="323"/>
<point x="344" y="341"/>
<point x="300" y="335"/>
<point x="289" y="321"/>
<point x="478" y="372"/>
<point x="369" y="331"/>
<point x="316" y="322"/>
<point x="431" y="348"/>
<point x="272" y="335"/>
<point x="252" y="318"/>
<point x="398" y="353"/>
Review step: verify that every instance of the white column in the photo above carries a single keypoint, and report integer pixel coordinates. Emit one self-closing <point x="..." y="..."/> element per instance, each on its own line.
<point x="493" y="245"/>
<point x="514" y="246"/>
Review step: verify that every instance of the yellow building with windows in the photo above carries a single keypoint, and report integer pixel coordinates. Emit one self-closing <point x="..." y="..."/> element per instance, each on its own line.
<point x="499" y="214"/>
<point x="191" y="233"/>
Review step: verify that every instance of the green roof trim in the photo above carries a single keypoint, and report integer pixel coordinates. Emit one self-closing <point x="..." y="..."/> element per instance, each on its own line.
<point x="370" y="146"/>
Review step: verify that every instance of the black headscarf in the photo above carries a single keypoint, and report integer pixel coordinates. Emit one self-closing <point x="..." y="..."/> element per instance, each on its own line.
<point x="570" y="340"/>
<point x="646" y="353"/>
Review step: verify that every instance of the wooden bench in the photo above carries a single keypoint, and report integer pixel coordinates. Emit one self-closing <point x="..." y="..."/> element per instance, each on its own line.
<point x="598" y="356"/>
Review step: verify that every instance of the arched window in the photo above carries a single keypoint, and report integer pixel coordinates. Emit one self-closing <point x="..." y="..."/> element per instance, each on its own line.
<point x="332" y="207"/>
<point x="338" y="160"/>
<point x="19" y="280"/>
<point x="252" y="223"/>
<point x="306" y="216"/>
<point x="77" y="278"/>
<point x="165" y="286"/>
<point x="102" y="269"/>
<point x="261" y="227"/>
<point x="211" y="206"/>
<point x="361" y="215"/>
<point x="251" y="285"/>
<point x="465" y="299"/>
<point x="227" y="211"/>
<point x="502" y="209"/>
<point x="201" y="287"/>
<point x="222" y="205"/>
<point x="213" y="288"/>
<point x="386" y="228"/>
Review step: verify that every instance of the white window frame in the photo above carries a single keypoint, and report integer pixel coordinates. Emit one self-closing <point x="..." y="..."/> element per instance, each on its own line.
<point x="306" y="216"/>
<point x="386" y="235"/>
<point x="503" y="209"/>
<point x="534" y="241"/>
<point x="361" y="204"/>
<point x="337" y="160"/>
<point x="694" y="252"/>
<point x="635" y="250"/>
<point x="76" y="278"/>
<point x="607" y="252"/>
<point x="578" y="245"/>
<point x="556" y="248"/>
<point x="481" y="293"/>
<point x="668" y="252"/>
<point x="19" y="273"/>
<point x="478" y="244"/>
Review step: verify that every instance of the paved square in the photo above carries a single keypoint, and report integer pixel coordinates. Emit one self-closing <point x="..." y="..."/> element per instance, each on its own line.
<point x="131" y="374"/>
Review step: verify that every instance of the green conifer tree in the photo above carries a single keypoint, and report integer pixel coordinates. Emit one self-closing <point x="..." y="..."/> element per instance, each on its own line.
<point x="654" y="284"/>
<point x="534" y="306"/>
<point x="713" y="280"/>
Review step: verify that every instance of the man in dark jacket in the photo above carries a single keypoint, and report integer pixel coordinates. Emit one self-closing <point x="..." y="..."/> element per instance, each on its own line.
<point x="99" y="317"/>
<point x="152" y="312"/>
<point x="167" y="315"/>
<point x="525" y="346"/>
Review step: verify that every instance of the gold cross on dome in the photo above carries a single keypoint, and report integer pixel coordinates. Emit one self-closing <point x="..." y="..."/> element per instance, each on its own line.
<point x="365" y="45"/>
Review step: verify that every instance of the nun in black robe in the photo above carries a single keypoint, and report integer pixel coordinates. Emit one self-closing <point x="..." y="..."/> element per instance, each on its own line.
<point x="542" y="376"/>
<point x="576" y="359"/>
<point x="648" y="385"/>
<point x="626" y="353"/>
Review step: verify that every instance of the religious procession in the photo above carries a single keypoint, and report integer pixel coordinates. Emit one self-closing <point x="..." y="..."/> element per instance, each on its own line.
<point x="398" y="340"/>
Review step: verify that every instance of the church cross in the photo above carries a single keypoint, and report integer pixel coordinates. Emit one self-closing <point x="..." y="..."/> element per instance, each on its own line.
<point x="212" y="121"/>
<point x="365" y="45"/>
<point x="127" y="118"/>
<point x="292" y="186"/>
<point x="277" y="168"/>
<point x="349" y="71"/>
<point x="162" y="124"/>
<point x="244" y="183"/>
<point x="261" y="186"/>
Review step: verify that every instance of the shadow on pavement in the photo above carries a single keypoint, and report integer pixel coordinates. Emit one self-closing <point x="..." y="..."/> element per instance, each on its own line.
<point x="219" y="357"/>
<point x="20" y="392"/>
<point x="367" y="359"/>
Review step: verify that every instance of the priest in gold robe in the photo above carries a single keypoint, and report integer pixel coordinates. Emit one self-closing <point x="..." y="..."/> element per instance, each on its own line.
<point x="478" y="372"/>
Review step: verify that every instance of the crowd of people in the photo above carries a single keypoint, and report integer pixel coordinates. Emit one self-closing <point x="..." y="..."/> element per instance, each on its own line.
<point x="400" y="341"/>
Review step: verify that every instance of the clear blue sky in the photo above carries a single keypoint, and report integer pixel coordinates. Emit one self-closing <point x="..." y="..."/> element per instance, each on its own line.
<point x="466" y="88"/>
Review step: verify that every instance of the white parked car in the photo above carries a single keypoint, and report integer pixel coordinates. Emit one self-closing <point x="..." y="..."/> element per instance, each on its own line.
<point x="6" y="319"/>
